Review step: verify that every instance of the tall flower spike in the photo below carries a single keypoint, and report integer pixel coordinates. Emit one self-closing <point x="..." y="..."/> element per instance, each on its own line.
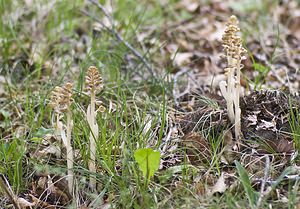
<point x="234" y="52"/>
<point x="61" y="99"/>
<point x="94" y="84"/>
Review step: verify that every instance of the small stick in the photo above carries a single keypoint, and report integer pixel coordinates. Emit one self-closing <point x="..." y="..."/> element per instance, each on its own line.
<point x="263" y="193"/>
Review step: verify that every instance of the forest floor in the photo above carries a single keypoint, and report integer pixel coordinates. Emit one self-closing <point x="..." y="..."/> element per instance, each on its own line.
<point x="161" y="66"/>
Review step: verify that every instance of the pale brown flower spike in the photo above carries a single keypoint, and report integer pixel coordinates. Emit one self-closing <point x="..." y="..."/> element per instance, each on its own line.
<point x="232" y="43"/>
<point x="234" y="52"/>
<point x="94" y="84"/>
<point x="93" y="80"/>
<point x="60" y="101"/>
<point x="61" y="98"/>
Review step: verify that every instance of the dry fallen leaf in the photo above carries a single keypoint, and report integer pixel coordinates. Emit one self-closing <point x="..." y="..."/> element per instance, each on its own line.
<point x="294" y="26"/>
<point x="219" y="187"/>
<point x="3" y="81"/>
<point x="198" y="149"/>
<point x="252" y="120"/>
<point x="182" y="59"/>
<point x="189" y="5"/>
<point x="24" y="203"/>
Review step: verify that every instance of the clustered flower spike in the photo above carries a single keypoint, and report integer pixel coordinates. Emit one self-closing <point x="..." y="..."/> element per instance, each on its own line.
<point x="94" y="84"/>
<point x="61" y="98"/>
<point x="232" y="43"/>
<point x="234" y="52"/>
<point x="93" y="80"/>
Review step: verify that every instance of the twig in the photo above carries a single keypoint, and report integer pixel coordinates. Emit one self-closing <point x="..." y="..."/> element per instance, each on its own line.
<point x="263" y="193"/>
<point x="103" y="10"/>
<point x="117" y="35"/>
<point x="8" y="191"/>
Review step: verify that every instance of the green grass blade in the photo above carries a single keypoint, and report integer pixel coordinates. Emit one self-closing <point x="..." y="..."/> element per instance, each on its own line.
<point x="244" y="178"/>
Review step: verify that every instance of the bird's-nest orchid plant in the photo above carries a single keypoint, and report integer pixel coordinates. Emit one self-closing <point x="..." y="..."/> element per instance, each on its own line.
<point x="94" y="85"/>
<point x="61" y="99"/>
<point x="234" y="53"/>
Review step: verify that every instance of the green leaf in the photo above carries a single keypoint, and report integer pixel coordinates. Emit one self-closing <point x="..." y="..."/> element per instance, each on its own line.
<point x="169" y="173"/>
<point x="261" y="68"/>
<point x="148" y="161"/>
<point x="244" y="178"/>
<point x="36" y="139"/>
<point x="42" y="132"/>
<point x="5" y="114"/>
<point x="245" y="6"/>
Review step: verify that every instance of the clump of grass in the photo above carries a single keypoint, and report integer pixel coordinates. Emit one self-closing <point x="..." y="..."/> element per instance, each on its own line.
<point x="61" y="100"/>
<point x="234" y="53"/>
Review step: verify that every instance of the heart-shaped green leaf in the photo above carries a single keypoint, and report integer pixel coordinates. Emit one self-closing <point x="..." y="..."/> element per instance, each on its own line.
<point x="148" y="161"/>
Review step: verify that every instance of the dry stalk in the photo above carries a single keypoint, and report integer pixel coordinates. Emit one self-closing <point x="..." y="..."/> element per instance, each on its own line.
<point x="94" y="84"/>
<point x="263" y="192"/>
<point x="61" y="100"/>
<point x="234" y="52"/>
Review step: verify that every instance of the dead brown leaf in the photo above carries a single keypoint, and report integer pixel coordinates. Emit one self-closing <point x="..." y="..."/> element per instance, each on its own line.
<point x="198" y="149"/>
